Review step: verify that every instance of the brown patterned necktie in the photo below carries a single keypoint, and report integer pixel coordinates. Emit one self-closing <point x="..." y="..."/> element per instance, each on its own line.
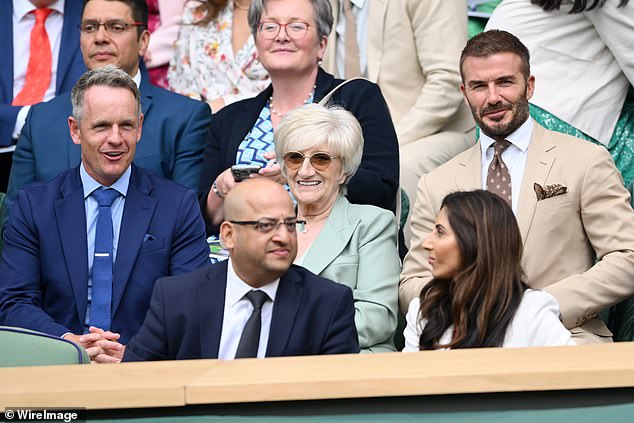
<point x="352" y="61"/>
<point x="498" y="177"/>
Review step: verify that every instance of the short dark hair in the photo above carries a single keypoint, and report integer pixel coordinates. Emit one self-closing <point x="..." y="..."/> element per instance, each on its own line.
<point x="493" y="42"/>
<point x="110" y="76"/>
<point x="139" y="12"/>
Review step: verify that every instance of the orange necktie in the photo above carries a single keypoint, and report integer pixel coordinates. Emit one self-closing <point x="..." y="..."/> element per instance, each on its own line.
<point x="38" y="71"/>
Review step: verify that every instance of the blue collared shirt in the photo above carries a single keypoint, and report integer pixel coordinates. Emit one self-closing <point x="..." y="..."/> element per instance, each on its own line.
<point x="92" y="210"/>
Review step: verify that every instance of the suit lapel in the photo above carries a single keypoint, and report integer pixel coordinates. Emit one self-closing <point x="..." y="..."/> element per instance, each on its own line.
<point x="330" y="55"/>
<point x="70" y="37"/>
<point x="211" y="308"/>
<point x="285" y="307"/>
<point x="244" y="121"/>
<point x="137" y="214"/>
<point x="146" y="91"/>
<point x="332" y="239"/>
<point x="73" y="150"/>
<point x="376" y="21"/>
<point x="6" y="46"/>
<point x="471" y="177"/>
<point x="540" y="159"/>
<point x="71" y="223"/>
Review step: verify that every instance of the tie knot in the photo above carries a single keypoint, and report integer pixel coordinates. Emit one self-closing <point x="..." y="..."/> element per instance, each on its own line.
<point x="105" y="196"/>
<point x="257" y="298"/>
<point x="500" y="146"/>
<point x="42" y="13"/>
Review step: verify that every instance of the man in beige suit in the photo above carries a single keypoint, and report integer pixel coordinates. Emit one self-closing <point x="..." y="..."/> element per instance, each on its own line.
<point x="410" y="49"/>
<point x="571" y="206"/>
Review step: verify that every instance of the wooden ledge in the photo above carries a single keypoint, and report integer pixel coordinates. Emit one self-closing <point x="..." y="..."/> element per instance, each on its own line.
<point x="422" y="373"/>
<point x="181" y="383"/>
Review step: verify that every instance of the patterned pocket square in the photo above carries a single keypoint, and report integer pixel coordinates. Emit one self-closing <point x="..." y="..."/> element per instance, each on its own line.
<point x="548" y="191"/>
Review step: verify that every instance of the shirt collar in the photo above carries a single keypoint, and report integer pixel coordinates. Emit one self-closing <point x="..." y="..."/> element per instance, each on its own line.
<point x="520" y="138"/>
<point x="357" y="3"/>
<point x="137" y="78"/>
<point x="237" y="288"/>
<point x="21" y="8"/>
<point x="89" y="184"/>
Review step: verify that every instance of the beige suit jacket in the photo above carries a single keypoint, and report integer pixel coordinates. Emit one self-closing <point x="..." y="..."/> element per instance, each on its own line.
<point x="563" y="235"/>
<point x="413" y="52"/>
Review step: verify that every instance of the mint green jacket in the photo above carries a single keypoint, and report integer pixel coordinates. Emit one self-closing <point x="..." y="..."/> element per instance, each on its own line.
<point x="357" y="247"/>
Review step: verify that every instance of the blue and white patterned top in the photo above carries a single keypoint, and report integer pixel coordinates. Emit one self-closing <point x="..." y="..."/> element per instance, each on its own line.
<point x="258" y="141"/>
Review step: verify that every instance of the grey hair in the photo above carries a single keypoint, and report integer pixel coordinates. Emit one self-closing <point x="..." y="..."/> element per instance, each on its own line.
<point x="323" y="16"/>
<point x="110" y="76"/>
<point x="312" y="125"/>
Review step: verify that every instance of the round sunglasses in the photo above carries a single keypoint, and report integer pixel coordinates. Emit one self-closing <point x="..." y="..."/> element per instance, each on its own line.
<point x="319" y="160"/>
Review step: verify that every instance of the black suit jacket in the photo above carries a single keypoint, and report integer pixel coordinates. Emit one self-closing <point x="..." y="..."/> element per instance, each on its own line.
<point x="376" y="180"/>
<point x="311" y="316"/>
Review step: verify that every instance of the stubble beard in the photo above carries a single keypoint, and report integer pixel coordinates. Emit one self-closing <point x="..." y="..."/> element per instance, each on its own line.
<point x="521" y="114"/>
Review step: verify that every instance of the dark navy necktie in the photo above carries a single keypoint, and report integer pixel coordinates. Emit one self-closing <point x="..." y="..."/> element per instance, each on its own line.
<point x="250" y="339"/>
<point x="101" y="298"/>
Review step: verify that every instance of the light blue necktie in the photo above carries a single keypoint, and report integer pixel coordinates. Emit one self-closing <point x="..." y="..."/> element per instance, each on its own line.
<point x="101" y="298"/>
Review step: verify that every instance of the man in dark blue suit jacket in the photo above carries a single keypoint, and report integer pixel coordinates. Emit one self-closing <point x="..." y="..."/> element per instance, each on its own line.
<point x="202" y="314"/>
<point x="175" y="128"/>
<point x="46" y="266"/>
<point x="70" y="66"/>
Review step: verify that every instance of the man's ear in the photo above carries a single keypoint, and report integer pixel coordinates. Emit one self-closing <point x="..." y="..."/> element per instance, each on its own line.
<point x="140" y="127"/>
<point x="144" y="42"/>
<point x="73" y="127"/>
<point x="226" y="235"/>
<point x="530" y="87"/>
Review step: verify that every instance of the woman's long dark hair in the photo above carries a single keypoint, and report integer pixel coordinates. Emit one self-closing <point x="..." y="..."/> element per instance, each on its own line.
<point x="577" y="7"/>
<point x="481" y="300"/>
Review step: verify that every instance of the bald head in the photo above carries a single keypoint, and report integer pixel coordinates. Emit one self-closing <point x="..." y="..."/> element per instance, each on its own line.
<point x="252" y="195"/>
<point x="258" y="257"/>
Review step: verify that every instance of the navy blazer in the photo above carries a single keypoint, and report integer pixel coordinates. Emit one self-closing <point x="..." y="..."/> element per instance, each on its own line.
<point x="44" y="265"/>
<point x="376" y="180"/>
<point x="70" y="64"/>
<point x="175" y="131"/>
<point x="311" y="316"/>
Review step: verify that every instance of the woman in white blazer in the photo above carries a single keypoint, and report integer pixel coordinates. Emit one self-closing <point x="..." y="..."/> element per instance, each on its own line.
<point x="478" y="296"/>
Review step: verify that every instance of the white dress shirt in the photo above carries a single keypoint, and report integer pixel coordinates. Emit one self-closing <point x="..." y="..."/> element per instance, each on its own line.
<point x="514" y="157"/>
<point x="23" y="22"/>
<point x="360" y="10"/>
<point x="237" y="311"/>
<point x="535" y="324"/>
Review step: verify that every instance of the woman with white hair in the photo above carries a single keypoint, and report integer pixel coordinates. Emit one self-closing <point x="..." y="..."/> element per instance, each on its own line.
<point x="290" y="40"/>
<point x="320" y="149"/>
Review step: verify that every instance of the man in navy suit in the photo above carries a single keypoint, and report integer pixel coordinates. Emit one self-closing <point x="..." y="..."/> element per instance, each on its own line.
<point x="51" y="242"/>
<point x="206" y="313"/>
<point x="17" y="21"/>
<point x="176" y="128"/>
